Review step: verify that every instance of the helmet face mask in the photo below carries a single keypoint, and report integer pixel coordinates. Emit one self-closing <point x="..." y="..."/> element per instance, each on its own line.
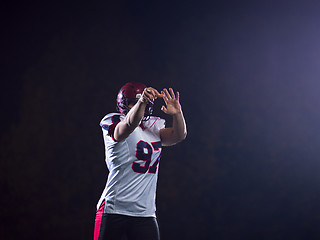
<point x="130" y="94"/>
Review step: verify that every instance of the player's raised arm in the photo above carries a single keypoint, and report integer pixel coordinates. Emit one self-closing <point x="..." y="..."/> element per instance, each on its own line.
<point x="135" y="114"/>
<point x="178" y="131"/>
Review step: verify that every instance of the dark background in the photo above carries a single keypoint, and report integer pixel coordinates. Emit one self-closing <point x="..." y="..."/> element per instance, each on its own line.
<point x="248" y="74"/>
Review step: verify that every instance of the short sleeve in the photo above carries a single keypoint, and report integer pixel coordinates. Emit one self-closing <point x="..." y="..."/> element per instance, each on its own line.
<point x="109" y="122"/>
<point x="155" y="124"/>
<point x="160" y="123"/>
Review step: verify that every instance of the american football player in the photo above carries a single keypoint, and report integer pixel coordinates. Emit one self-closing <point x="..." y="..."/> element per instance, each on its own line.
<point x="133" y="141"/>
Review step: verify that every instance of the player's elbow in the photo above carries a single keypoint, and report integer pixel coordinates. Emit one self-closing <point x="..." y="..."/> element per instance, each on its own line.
<point x="182" y="136"/>
<point x="178" y="138"/>
<point x="185" y="134"/>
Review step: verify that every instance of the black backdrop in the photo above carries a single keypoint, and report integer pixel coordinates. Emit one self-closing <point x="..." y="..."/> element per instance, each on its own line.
<point x="248" y="74"/>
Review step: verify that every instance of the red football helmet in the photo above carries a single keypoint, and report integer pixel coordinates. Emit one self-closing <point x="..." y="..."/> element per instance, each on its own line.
<point x="130" y="94"/>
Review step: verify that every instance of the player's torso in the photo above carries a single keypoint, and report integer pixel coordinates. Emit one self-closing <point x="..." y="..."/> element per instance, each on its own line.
<point x="140" y="150"/>
<point x="133" y="167"/>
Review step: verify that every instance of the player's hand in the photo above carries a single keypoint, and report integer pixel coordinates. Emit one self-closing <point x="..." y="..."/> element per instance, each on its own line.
<point x="149" y="95"/>
<point x="172" y="102"/>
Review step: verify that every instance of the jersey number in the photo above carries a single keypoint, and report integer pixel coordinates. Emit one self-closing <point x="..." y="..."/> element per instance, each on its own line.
<point x="144" y="153"/>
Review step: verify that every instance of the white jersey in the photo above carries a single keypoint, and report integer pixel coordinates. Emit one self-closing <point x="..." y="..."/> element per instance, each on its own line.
<point x="133" y="167"/>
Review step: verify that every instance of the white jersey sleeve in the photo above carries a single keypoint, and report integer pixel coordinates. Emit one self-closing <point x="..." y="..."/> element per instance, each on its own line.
<point x="133" y="167"/>
<point x="109" y="122"/>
